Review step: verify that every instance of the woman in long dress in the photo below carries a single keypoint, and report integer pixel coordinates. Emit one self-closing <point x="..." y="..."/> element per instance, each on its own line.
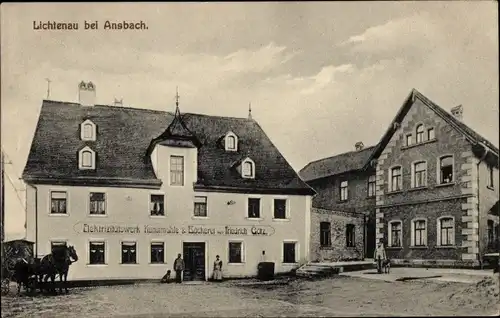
<point x="217" y="269"/>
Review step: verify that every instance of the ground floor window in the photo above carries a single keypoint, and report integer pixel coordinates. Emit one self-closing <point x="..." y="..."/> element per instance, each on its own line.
<point x="325" y="234"/>
<point x="235" y="252"/>
<point x="129" y="253"/>
<point x="446" y="231"/>
<point x="350" y="235"/>
<point x="419" y="233"/>
<point x="289" y="252"/>
<point x="56" y="244"/>
<point x="395" y="233"/>
<point x="96" y="253"/>
<point x="157" y="252"/>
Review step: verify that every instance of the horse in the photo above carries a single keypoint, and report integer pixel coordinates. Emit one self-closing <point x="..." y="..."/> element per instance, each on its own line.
<point x="23" y="271"/>
<point x="57" y="263"/>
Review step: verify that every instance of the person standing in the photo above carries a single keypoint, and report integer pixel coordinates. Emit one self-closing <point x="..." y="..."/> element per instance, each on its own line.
<point x="178" y="268"/>
<point x="379" y="255"/>
<point x="217" y="269"/>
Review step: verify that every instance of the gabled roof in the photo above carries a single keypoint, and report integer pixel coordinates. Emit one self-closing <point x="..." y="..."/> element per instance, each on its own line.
<point x="469" y="133"/>
<point x="124" y="135"/>
<point x="345" y="162"/>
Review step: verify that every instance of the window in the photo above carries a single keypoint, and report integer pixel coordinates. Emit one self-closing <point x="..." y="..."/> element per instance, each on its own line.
<point x="88" y="131"/>
<point x="97" y="203"/>
<point x="157" y="252"/>
<point x="350" y="235"/>
<point x="446" y="169"/>
<point x="325" y="234"/>
<point x="200" y="206"/>
<point x="58" y="202"/>
<point x="289" y="253"/>
<point x="343" y="191"/>
<point x="280" y="208"/>
<point x="129" y="253"/>
<point x="491" y="233"/>
<point x="157" y="204"/>
<point x="420" y="133"/>
<point x="409" y="140"/>
<point x="491" y="177"/>
<point x="446" y="231"/>
<point x="419" y="233"/>
<point x="96" y="253"/>
<point x="56" y="244"/>
<point x="235" y="252"/>
<point x="253" y="208"/>
<point x="395" y="234"/>
<point x="372" y="183"/>
<point x="248" y="169"/>
<point x="231" y="143"/>
<point x="430" y="134"/>
<point x="396" y="179"/>
<point x="420" y="174"/>
<point x="176" y="170"/>
<point x="86" y="158"/>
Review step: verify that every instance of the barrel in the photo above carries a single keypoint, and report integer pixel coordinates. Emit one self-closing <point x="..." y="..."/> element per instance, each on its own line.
<point x="265" y="271"/>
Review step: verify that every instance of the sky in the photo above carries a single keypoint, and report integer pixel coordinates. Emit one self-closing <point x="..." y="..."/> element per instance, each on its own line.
<point x="320" y="76"/>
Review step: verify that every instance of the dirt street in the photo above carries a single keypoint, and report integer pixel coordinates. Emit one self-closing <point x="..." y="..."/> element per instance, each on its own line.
<point x="340" y="296"/>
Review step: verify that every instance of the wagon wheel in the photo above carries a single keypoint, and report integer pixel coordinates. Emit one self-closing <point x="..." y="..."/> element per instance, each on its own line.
<point x="5" y="286"/>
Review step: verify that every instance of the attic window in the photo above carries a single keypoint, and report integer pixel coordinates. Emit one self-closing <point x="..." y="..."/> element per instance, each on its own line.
<point x="231" y="142"/>
<point x="88" y="131"/>
<point x="86" y="159"/>
<point x="248" y="168"/>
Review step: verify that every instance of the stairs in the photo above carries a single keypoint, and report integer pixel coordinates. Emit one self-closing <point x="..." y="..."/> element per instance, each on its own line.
<point x="316" y="270"/>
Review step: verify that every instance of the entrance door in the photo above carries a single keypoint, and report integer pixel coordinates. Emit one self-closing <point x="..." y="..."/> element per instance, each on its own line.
<point x="194" y="260"/>
<point x="371" y="236"/>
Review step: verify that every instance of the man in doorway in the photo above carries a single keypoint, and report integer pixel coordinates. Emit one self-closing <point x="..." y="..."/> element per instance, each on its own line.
<point x="379" y="255"/>
<point x="178" y="268"/>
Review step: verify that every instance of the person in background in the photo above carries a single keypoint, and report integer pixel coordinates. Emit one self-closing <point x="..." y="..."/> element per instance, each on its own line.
<point x="217" y="276"/>
<point x="379" y="255"/>
<point x="178" y="268"/>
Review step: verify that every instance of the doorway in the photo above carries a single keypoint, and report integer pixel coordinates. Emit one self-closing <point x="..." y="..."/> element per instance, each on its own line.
<point x="194" y="260"/>
<point x="371" y="234"/>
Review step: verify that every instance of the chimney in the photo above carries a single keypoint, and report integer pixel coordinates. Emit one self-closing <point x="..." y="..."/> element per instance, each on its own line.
<point x="457" y="112"/>
<point x="86" y="94"/>
<point x="359" y="145"/>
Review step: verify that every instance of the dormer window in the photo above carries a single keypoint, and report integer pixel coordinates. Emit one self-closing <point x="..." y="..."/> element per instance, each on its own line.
<point x="231" y="142"/>
<point x="86" y="159"/>
<point x="88" y="131"/>
<point x="248" y="168"/>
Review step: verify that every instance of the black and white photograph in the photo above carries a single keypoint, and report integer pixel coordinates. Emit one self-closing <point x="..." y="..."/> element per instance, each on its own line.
<point x="250" y="159"/>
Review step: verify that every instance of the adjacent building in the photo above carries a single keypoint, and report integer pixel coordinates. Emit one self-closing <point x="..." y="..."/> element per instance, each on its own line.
<point x="132" y="188"/>
<point x="343" y="218"/>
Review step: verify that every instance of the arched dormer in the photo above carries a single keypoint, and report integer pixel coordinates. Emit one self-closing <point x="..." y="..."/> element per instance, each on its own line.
<point x="248" y="168"/>
<point x="86" y="159"/>
<point x="88" y="131"/>
<point x="231" y="142"/>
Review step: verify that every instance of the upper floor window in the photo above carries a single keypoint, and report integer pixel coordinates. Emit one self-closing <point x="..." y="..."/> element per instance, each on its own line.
<point x="200" y="206"/>
<point x="396" y="179"/>
<point x="419" y="233"/>
<point x="86" y="158"/>
<point x="420" y="133"/>
<point x="248" y="168"/>
<point x="344" y="193"/>
<point x="177" y="170"/>
<point x="446" y="169"/>
<point x="58" y="200"/>
<point x="325" y="234"/>
<point x="231" y="142"/>
<point x="350" y="235"/>
<point x="157" y="204"/>
<point x="446" y="231"/>
<point x="491" y="176"/>
<point x="372" y="182"/>
<point x="395" y="233"/>
<point x="97" y="203"/>
<point x="88" y="131"/>
<point x="253" y="208"/>
<point x="409" y="139"/>
<point x="280" y="208"/>
<point x="430" y="134"/>
<point x="420" y="174"/>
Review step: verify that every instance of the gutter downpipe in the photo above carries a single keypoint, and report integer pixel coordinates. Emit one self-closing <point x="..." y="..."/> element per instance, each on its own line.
<point x="480" y="255"/>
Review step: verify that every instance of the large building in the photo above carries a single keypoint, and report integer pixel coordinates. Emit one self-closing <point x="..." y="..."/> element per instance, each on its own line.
<point x="131" y="188"/>
<point x="432" y="181"/>
<point x="343" y="218"/>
